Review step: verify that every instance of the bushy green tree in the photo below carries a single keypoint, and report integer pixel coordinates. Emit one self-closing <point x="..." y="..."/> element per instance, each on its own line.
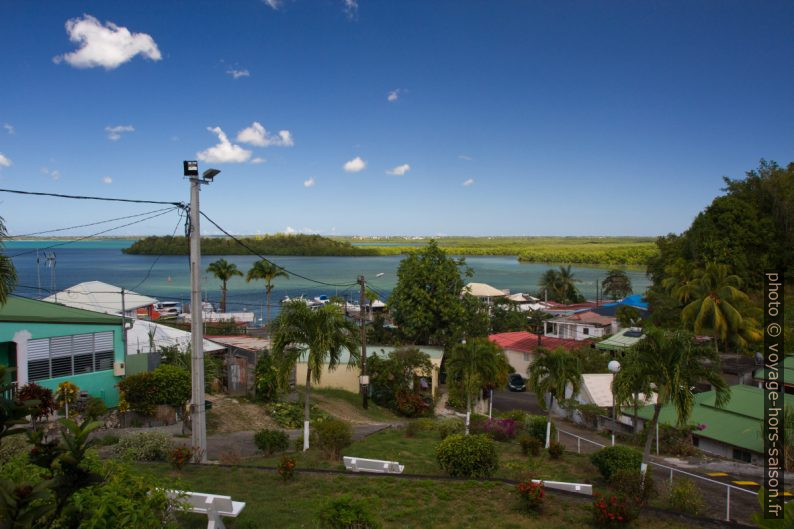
<point x="507" y="317"/>
<point x="617" y="284"/>
<point x="395" y="374"/>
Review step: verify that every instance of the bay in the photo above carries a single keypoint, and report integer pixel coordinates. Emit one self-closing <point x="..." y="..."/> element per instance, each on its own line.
<point x="168" y="277"/>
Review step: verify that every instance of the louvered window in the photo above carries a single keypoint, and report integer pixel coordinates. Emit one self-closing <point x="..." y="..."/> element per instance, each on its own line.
<point x="63" y="356"/>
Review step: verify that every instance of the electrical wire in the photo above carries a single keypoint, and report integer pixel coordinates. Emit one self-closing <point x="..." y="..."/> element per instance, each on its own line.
<point x="82" y="197"/>
<point x="87" y="225"/>
<point x="254" y="252"/>
<point x="149" y="272"/>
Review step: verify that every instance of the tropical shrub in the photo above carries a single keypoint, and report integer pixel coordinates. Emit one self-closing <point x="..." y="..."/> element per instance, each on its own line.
<point x="611" y="510"/>
<point x="530" y="495"/>
<point x="497" y="429"/>
<point x="346" y="513"/>
<point x="632" y="485"/>
<point x="685" y="497"/>
<point x="139" y="392"/>
<point x="91" y="408"/>
<point x="535" y="425"/>
<point x="333" y="436"/>
<point x="556" y="450"/>
<point x="266" y="378"/>
<point x="66" y="395"/>
<point x="145" y="446"/>
<point x="530" y="445"/>
<point x="411" y="404"/>
<point x="470" y="456"/>
<point x="286" y="468"/>
<point x="173" y="385"/>
<point x="179" y="456"/>
<point x="290" y="414"/>
<point x="517" y="415"/>
<point x="271" y="441"/>
<point x="611" y="459"/>
<point x="447" y="427"/>
<point x="43" y="404"/>
<point x="12" y="446"/>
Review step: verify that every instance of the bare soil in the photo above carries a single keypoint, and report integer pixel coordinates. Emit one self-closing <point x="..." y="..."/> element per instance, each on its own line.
<point x="230" y="414"/>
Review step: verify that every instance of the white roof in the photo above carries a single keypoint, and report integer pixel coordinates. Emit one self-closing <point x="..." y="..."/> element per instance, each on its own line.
<point x="482" y="290"/>
<point x="100" y="297"/>
<point x="522" y="298"/>
<point x="144" y="334"/>
<point x="597" y="389"/>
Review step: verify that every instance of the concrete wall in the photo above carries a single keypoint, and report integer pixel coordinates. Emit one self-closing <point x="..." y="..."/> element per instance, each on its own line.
<point x="101" y="384"/>
<point x="519" y="361"/>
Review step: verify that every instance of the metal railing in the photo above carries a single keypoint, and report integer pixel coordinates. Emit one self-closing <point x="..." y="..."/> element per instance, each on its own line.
<point x="672" y="470"/>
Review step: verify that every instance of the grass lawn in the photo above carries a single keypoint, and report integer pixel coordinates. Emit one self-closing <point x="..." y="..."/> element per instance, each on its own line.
<point x="398" y="503"/>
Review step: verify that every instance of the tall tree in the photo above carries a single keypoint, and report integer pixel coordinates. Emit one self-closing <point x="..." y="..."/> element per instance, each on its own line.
<point x="266" y="271"/>
<point x="617" y="284"/>
<point x="8" y="274"/>
<point x="223" y="270"/>
<point x="560" y="285"/>
<point x="672" y="363"/>
<point x="476" y="364"/>
<point x="317" y="337"/>
<point x="536" y="319"/>
<point x="717" y="305"/>
<point x="628" y="384"/>
<point x="550" y="375"/>
<point x="426" y="304"/>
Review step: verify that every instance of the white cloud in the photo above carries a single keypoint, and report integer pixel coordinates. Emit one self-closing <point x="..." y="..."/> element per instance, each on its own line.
<point x="258" y="160"/>
<point x="355" y="165"/>
<point x="351" y="8"/>
<point x="400" y="170"/>
<point x="257" y="135"/>
<point x="274" y="4"/>
<point x="4" y="161"/>
<point x="393" y="96"/>
<point x="108" y="46"/>
<point x="107" y="180"/>
<point x="238" y="73"/>
<point x="114" y="133"/>
<point x="310" y="182"/>
<point x="289" y="230"/>
<point x="55" y="174"/>
<point x="465" y="157"/>
<point x="9" y="127"/>
<point x="225" y="151"/>
<point x="468" y="182"/>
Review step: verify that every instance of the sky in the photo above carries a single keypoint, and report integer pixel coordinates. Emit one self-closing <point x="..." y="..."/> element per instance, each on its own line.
<point x="365" y="117"/>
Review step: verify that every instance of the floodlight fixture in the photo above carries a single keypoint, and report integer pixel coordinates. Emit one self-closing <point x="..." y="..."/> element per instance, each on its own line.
<point x="191" y="168"/>
<point x="209" y="174"/>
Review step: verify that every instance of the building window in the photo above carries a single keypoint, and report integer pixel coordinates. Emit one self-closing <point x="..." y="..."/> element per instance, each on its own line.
<point x="63" y="356"/>
<point x="741" y="454"/>
<point x="585" y="330"/>
<point x="526" y="357"/>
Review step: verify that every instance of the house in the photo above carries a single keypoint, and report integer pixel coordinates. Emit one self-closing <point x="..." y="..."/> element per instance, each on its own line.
<point x="484" y="291"/>
<point x="621" y="341"/>
<point x="733" y="431"/>
<point x="239" y="359"/>
<point x="347" y="377"/>
<point x="103" y="297"/>
<point x="521" y="346"/>
<point x="596" y="388"/>
<point x="580" y="326"/>
<point x="145" y="340"/>
<point x="47" y="343"/>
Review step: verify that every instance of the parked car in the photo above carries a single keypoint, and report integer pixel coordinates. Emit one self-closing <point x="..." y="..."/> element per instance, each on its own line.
<point x="516" y="382"/>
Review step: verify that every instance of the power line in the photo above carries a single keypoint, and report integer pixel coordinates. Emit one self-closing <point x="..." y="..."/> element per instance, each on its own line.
<point x="83" y="197"/>
<point x="254" y="252"/>
<point x="87" y="225"/>
<point x="149" y="272"/>
<point x="94" y="234"/>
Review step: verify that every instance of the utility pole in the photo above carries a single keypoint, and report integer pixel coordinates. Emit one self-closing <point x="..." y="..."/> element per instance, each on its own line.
<point x="364" y="377"/>
<point x="197" y="409"/>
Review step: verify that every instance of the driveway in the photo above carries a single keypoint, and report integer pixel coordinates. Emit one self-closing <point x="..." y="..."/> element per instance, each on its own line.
<point x="504" y="400"/>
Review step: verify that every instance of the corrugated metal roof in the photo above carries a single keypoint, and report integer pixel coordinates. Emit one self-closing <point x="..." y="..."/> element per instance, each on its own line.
<point x="145" y="334"/>
<point x="482" y="290"/>
<point x="100" y="297"/>
<point x="620" y="341"/>
<point x="527" y="342"/>
<point x="18" y="309"/>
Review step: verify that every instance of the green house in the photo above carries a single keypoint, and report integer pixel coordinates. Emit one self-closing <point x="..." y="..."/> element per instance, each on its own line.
<point x="47" y="343"/>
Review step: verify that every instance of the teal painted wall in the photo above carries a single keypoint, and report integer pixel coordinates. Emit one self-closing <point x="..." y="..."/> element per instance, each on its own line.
<point x="101" y="384"/>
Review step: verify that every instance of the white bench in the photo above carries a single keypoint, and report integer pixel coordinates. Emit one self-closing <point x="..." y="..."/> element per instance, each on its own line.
<point x="359" y="464"/>
<point x="212" y="505"/>
<point x="579" y="488"/>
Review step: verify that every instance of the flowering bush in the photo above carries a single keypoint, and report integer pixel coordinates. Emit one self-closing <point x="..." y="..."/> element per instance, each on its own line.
<point x="286" y="468"/>
<point x="66" y="394"/>
<point x="411" y="404"/>
<point x="612" y="510"/>
<point x="531" y="495"/>
<point x="42" y="401"/>
<point x="179" y="456"/>
<point x="497" y="429"/>
<point x="530" y="446"/>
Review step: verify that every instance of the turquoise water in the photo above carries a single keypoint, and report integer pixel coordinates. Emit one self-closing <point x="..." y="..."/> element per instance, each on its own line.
<point x="170" y="275"/>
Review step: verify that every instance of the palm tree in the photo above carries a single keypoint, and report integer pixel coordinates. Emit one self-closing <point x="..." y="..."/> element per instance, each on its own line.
<point x="672" y="363"/>
<point x="628" y="384"/>
<point x="550" y="374"/>
<point x="535" y="318"/>
<point x="316" y="337"/>
<point x="266" y="271"/>
<point x="716" y="306"/>
<point x="560" y="285"/>
<point x="475" y="364"/>
<point x="8" y="274"/>
<point x="617" y="284"/>
<point x="223" y="270"/>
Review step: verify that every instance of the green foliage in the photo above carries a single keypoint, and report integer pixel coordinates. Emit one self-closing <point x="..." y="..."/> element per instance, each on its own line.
<point x="476" y="364"/>
<point x="345" y="512"/>
<point x="12" y="446"/>
<point x="426" y="303"/>
<point x="519" y="416"/>
<point x="685" y="496"/>
<point x="290" y="414"/>
<point x="145" y="446"/>
<point x="266" y="378"/>
<point x="168" y="384"/>
<point x="333" y="435"/>
<point x="8" y="274"/>
<point x="616" y="284"/>
<point x="213" y="366"/>
<point x="612" y="254"/>
<point x="267" y="272"/>
<point x="412" y="404"/>
<point x="535" y="425"/>
<point x="139" y="392"/>
<point x="530" y="445"/>
<point x="612" y="459"/>
<point x="271" y="441"/>
<point x="632" y="484"/>
<point x="92" y="408"/>
<point x="39" y="399"/>
<point x="560" y="285"/>
<point x="590" y="413"/>
<point x="471" y="456"/>
<point x="395" y="376"/>
<point x="286" y="468"/>
<point x="531" y="496"/>
<point x="786" y="522"/>
<point x="556" y="450"/>
<point x="107" y="440"/>
<point x="447" y="427"/>
<point x="223" y="270"/>
<point x="506" y="317"/>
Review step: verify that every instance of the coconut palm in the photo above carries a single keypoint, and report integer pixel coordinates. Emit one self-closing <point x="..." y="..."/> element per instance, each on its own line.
<point x="476" y="364"/>
<point x="8" y="274"/>
<point x="536" y="319"/>
<point x="617" y="284"/>
<point x="672" y="363"/>
<point x="716" y="306"/>
<point x="560" y="285"/>
<point x="317" y="337"/>
<point x="266" y="271"/>
<point x="551" y="374"/>
<point x="628" y="384"/>
<point x="223" y="270"/>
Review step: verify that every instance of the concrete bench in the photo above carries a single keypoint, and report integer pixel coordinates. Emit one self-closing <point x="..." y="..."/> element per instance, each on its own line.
<point x="359" y="464"/>
<point x="579" y="488"/>
<point x="214" y="506"/>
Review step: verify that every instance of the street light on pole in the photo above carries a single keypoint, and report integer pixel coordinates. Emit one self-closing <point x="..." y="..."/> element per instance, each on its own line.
<point x="197" y="409"/>
<point x="614" y="368"/>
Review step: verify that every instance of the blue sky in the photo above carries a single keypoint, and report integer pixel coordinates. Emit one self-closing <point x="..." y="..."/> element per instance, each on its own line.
<point x="505" y="118"/>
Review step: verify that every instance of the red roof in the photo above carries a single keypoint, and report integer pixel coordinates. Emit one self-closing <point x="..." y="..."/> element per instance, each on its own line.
<point x="527" y="342"/>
